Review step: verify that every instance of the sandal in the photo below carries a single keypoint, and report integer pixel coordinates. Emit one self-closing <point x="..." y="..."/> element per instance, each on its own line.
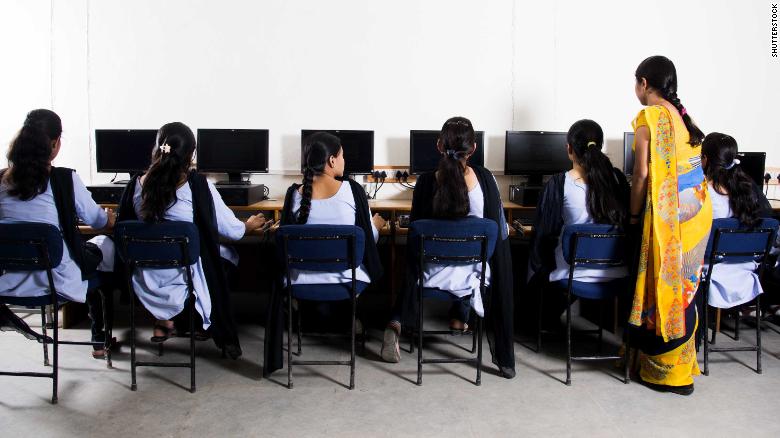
<point x="458" y="327"/>
<point x="101" y="353"/>
<point x="168" y="332"/>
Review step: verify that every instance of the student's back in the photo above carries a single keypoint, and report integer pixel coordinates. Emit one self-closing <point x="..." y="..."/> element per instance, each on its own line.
<point x="29" y="192"/>
<point x="592" y="192"/>
<point x="735" y="195"/>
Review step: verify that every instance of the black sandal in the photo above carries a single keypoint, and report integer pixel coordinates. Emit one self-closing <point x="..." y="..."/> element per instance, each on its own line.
<point x="168" y="333"/>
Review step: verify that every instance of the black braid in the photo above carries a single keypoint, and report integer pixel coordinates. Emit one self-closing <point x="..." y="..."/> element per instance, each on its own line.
<point x="303" y="211"/>
<point x="695" y="134"/>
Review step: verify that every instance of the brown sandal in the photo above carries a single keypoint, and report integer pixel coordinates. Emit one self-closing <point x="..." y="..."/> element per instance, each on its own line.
<point x="168" y="332"/>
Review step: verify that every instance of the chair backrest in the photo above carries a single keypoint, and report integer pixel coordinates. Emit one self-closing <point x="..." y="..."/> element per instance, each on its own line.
<point x="733" y="242"/>
<point x="597" y="246"/>
<point x="29" y="246"/>
<point x="157" y="245"/>
<point x="326" y="248"/>
<point x="458" y="241"/>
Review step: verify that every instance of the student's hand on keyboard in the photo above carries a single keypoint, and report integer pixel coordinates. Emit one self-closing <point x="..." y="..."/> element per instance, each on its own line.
<point x="254" y="222"/>
<point x="379" y="221"/>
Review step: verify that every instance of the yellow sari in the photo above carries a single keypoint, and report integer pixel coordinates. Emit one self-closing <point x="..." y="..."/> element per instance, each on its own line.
<point x="676" y="227"/>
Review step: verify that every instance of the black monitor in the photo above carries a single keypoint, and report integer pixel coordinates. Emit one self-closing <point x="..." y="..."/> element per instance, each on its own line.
<point x="753" y="164"/>
<point x="424" y="157"/>
<point x="535" y="154"/>
<point x="628" y="153"/>
<point x="233" y="151"/>
<point x="124" y="150"/>
<point x="358" y="149"/>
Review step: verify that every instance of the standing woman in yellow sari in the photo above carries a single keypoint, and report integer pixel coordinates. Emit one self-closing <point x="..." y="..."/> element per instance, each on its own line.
<point x="670" y="204"/>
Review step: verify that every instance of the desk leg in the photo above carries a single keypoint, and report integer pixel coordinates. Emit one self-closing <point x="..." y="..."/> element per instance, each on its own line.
<point x="392" y="257"/>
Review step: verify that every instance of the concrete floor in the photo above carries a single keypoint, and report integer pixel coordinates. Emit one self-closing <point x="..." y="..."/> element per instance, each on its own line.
<point x="232" y="399"/>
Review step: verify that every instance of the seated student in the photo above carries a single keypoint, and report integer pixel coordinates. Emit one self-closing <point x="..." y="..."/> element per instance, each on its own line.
<point x="323" y="198"/>
<point x="733" y="194"/>
<point x="32" y="190"/>
<point x="593" y="191"/>
<point x="171" y="191"/>
<point x="458" y="190"/>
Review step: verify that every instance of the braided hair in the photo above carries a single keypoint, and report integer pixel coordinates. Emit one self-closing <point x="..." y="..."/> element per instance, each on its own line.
<point x="317" y="150"/>
<point x="661" y="75"/>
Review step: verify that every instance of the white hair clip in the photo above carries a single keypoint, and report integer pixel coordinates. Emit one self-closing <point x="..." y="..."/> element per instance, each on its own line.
<point x="165" y="149"/>
<point x="732" y="164"/>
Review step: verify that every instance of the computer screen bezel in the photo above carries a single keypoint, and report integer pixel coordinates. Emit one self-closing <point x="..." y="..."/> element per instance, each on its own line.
<point x="201" y="168"/>
<point x="347" y="170"/>
<point x="537" y="172"/>
<point x="628" y="151"/>
<point x="412" y="168"/>
<point x="98" y="157"/>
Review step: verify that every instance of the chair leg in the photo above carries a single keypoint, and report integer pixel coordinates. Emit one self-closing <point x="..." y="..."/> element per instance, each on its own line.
<point x="539" y="321"/>
<point x="420" y="331"/>
<point x="758" y="334"/>
<point x="352" y="345"/>
<point x="601" y="326"/>
<point x="192" y="343"/>
<point x="289" y="340"/>
<point x="474" y="337"/>
<point x="737" y="320"/>
<point x="717" y="325"/>
<point x="43" y="331"/>
<point x="479" y="350"/>
<point x="627" y="354"/>
<point x="133" y="385"/>
<point x="706" y="370"/>
<point x="56" y="351"/>
<point x="106" y="330"/>
<point x="568" y="342"/>
<point x="300" y="335"/>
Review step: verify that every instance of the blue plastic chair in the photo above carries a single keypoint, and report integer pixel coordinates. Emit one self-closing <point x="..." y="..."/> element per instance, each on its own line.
<point x="323" y="248"/>
<point x="162" y="245"/>
<point x="731" y="241"/>
<point x="592" y="246"/>
<point x="450" y="242"/>
<point x="31" y="246"/>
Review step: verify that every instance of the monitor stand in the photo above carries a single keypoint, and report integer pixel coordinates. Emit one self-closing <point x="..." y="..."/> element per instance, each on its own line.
<point x="126" y="181"/>
<point x="234" y="179"/>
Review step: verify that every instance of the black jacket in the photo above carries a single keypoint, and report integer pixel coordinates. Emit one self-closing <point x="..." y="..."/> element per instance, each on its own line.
<point x="61" y="179"/>
<point x="274" y="328"/>
<point x="499" y="299"/>
<point x="549" y="222"/>
<point x="223" y="327"/>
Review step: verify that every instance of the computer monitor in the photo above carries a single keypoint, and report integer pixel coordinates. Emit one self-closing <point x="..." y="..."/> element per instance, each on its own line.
<point x="535" y="154"/>
<point x="628" y="153"/>
<point x="233" y="151"/>
<point x="358" y="149"/>
<point x="124" y="150"/>
<point x="424" y="157"/>
<point x="753" y="164"/>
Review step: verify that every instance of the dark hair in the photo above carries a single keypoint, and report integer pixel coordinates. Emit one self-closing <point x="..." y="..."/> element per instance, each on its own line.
<point x="586" y="140"/>
<point x="317" y="149"/>
<point x="661" y="75"/>
<point x="456" y="143"/>
<point x="720" y="169"/>
<point x="29" y="154"/>
<point x="171" y="160"/>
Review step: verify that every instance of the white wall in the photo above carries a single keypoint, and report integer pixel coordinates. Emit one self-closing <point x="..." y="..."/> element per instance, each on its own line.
<point x="387" y="66"/>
